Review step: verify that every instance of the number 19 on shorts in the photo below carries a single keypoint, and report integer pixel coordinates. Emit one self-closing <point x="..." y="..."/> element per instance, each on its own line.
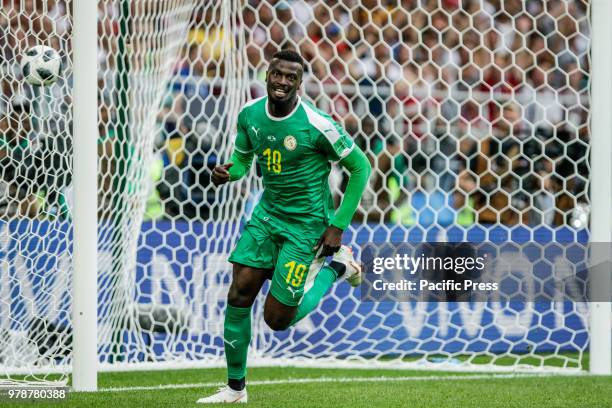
<point x="296" y="273"/>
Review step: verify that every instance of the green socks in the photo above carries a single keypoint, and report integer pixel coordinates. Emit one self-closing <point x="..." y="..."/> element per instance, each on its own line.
<point x="236" y="338"/>
<point x="324" y="280"/>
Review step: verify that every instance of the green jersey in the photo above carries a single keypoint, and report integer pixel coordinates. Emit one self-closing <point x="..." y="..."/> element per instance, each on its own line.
<point x="294" y="155"/>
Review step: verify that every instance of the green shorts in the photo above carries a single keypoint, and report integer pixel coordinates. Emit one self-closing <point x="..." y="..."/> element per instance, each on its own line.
<point x="268" y="242"/>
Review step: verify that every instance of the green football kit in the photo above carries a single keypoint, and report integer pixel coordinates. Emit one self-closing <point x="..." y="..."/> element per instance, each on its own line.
<point x="294" y="154"/>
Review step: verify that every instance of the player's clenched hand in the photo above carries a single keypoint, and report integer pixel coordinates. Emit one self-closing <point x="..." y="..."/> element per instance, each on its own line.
<point x="220" y="174"/>
<point x="330" y="241"/>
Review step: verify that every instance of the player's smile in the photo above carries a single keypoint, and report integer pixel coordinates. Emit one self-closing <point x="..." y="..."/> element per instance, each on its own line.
<point x="280" y="93"/>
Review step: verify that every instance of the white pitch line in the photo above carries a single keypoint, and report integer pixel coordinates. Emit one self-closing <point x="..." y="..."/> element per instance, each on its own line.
<point x="330" y="380"/>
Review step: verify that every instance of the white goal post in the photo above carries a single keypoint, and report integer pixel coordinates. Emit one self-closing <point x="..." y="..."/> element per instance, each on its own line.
<point x="601" y="189"/>
<point x="123" y="266"/>
<point x="85" y="179"/>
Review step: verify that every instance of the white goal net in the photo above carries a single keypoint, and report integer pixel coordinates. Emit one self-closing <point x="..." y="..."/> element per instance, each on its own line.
<point x="474" y="114"/>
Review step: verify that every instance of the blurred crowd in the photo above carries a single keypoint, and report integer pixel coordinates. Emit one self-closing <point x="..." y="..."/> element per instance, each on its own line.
<point x="481" y="103"/>
<point x="478" y="106"/>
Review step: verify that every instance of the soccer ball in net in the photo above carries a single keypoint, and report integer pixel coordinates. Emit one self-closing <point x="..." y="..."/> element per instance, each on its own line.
<point x="41" y="65"/>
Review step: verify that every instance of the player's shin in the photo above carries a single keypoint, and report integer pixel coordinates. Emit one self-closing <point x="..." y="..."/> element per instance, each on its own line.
<point x="236" y="338"/>
<point x="324" y="280"/>
<point x="342" y="265"/>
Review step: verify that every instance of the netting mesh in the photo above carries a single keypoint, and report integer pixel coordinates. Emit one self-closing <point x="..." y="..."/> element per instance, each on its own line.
<point x="139" y="47"/>
<point x="138" y="43"/>
<point x="474" y="115"/>
<point x="36" y="162"/>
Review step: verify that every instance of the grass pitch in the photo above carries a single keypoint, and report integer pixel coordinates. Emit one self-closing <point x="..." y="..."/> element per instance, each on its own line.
<point x="290" y="387"/>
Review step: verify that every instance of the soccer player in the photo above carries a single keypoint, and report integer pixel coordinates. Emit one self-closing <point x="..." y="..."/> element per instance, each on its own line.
<point x="295" y="221"/>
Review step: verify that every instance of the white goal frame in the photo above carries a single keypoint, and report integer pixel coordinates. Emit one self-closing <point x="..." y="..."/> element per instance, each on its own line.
<point x="601" y="179"/>
<point x="85" y="252"/>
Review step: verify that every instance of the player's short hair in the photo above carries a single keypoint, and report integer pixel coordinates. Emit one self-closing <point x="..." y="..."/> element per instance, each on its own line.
<point x="289" y="55"/>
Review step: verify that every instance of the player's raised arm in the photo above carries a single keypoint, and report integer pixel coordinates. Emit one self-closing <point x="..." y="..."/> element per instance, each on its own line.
<point x="359" y="168"/>
<point x="240" y="161"/>
<point x="338" y="146"/>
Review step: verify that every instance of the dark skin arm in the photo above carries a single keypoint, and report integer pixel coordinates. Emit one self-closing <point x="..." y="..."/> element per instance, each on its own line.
<point x="330" y="241"/>
<point x="220" y="174"/>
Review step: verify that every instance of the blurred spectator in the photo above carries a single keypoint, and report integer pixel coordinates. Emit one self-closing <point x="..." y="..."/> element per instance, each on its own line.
<point x="209" y="39"/>
<point x="463" y="199"/>
<point x="17" y="187"/>
<point x="498" y="164"/>
<point x="107" y="166"/>
<point x="389" y="180"/>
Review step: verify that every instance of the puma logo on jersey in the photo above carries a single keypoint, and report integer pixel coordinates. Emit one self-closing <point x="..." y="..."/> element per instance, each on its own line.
<point x="293" y="291"/>
<point x="231" y="343"/>
<point x="255" y="130"/>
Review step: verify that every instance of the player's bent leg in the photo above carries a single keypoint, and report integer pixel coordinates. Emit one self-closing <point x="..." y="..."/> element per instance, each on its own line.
<point x="322" y="283"/>
<point x="277" y="315"/>
<point x="342" y="265"/>
<point x="290" y="277"/>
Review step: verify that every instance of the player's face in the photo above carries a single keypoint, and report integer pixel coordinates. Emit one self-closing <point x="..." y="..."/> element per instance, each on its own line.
<point x="283" y="80"/>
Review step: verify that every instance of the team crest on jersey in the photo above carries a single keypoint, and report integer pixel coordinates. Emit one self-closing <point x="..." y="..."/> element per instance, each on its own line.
<point x="290" y="142"/>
